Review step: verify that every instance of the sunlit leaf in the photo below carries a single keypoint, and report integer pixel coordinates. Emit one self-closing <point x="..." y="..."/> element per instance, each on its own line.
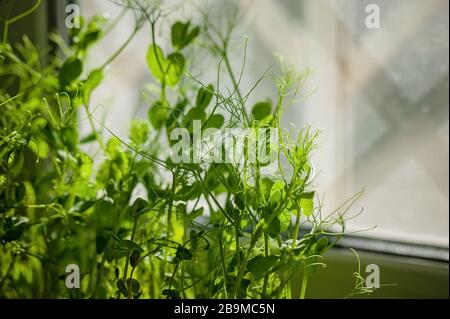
<point x="158" y="115"/>
<point x="93" y="81"/>
<point x="196" y="113"/>
<point x="307" y="203"/>
<point x="165" y="69"/>
<point x="276" y="193"/>
<point x="139" y="132"/>
<point x="156" y="61"/>
<point x="175" y="67"/>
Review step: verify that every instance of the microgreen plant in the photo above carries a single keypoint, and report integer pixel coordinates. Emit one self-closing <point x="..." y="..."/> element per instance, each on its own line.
<point x="218" y="229"/>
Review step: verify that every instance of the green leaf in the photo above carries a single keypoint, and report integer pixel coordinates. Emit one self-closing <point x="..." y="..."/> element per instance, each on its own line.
<point x="276" y="193"/>
<point x="90" y="38"/>
<point x="70" y="71"/>
<point x="168" y="70"/>
<point x="196" y="113"/>
<point x="239" y="201"/>
<point x="178" y="33"/>
<point x="181" y="209"/>
<point x="285" y="219"/>
<point x="38" y="123"/>
<point x="215" y="121"/>
<point x="139" y="132"/>
<point x="233" y="262"/>
<point x="101" y="240"/>
<point x="307" y="203"/>
<point x="204" y="97"/>
<point x="134" y="284"/>
<point x="158" y="115"/>
<point x="122" y="287"/>
<point x="89" y="138"/>
<point x="81" y="206"/>
<point x="196" y="213"/>
<point x="242" y="293"/>
<point x="193" y="238"/>
<point x="20" y="192"/>
<point x="261" y="110"/>
<point x="274" y="228"/>
<point x="181" y="35"/>
<point x="266" y="186"/>
<point x="176" y="64"/>
<point x="39" y="147"/>
<point x="233" y="183"/>
<point x="85" y="166"/>
<point x="259" y="265"/>
<point x="101" y="213"/>
<point x="128" y="245"/>
<point x="93" y="80"/>
<point x="15" y="162"/>
<point x="87" y="35"/>
<point x="171" y="293"/>
<point x="12" y="234"/>
<point x="114" y="253"/>
<point x="134" y="258"/>
<point x="320" y="246"/>
<point x="188" y="192"/>
<point x="211" y="179"/>
<point x="176" y="112"/>
<point x="138" y="206"/>
<point x="156" y="61"/>
<point x="183" y="253"/>
<point x="192" y="35"/>
<point x="70" y="138"/>
<point x="14" y="228"/>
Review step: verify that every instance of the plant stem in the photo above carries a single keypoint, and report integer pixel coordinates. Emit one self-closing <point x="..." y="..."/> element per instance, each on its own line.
<point x="222" y="259"/>
<point x="253" y="241"/>
<point x="236" y="86"/>
<point x="238" y="257"/>
<point x="297" y="228"/>
<point x="17" y="18"/>
<point x="125" y="271"/>
<point x="170" y="208"/>
<point x="304" y="282"/>
<point x="266" y="275"/>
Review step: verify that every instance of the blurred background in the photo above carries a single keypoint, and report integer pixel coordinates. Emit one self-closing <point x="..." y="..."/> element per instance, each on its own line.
<point x="380" y="97"/>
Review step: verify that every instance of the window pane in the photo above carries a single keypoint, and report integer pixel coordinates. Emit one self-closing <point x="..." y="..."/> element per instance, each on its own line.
<point x="380" y="96"/>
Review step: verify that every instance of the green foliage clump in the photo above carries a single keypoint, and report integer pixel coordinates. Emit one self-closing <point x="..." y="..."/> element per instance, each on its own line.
<point x="204" y="230"/>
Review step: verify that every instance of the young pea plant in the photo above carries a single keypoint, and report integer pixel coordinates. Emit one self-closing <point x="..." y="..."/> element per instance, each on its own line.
<point x="204" y="229"/>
